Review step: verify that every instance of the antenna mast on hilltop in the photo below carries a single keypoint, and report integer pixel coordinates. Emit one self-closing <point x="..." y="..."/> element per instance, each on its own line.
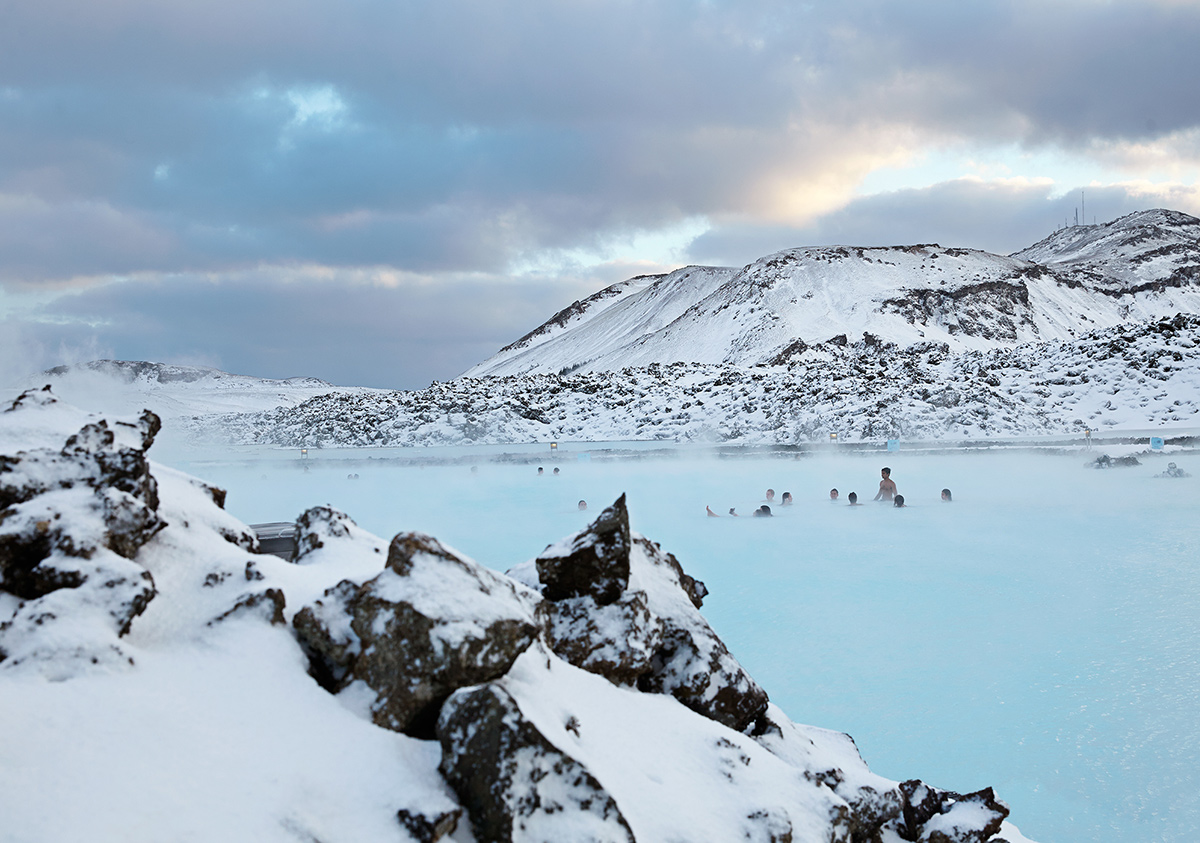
<point x="1083" y="200"/>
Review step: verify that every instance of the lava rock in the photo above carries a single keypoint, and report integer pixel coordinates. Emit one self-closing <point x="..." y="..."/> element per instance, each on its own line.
<point x="318" y="525"/>
<point x="429" y="828"/>
<point x="515" y="785"/>
<point x="268" y="605"/>
<point x="931" y="815"/>
<point x="592" y="563"/>
<point x="617" y="641"/>
<point x="432" y="622"/>
<point x="70" y="522"/>
<point x="657" y="613"/>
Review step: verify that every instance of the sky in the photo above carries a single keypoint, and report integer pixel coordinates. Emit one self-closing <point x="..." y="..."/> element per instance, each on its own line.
<point x="385" y="193"/>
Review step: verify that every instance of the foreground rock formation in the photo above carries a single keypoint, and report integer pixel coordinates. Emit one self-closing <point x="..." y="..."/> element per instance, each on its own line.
<point x="581" y="697"/>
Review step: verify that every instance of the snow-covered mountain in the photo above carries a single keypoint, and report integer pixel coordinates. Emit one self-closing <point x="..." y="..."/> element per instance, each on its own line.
<point x="1142" y="266"/>
<point x="161" y="678"/>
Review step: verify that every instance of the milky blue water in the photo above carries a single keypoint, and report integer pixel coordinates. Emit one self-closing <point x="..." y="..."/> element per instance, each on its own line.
<point x="1040" y="634"/>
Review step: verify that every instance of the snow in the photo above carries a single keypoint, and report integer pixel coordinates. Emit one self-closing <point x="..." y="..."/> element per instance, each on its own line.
<point x="465" y="597"/>
<point x="612" y="725"/>
<point x="225" y="739"/>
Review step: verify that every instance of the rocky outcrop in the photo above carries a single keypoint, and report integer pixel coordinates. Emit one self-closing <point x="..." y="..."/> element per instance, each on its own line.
<point x="72" y="520"/>
<point x="318" y="525"/>
<point x="432" y="622"/>
<point x="931" y="815"/>
<point x="621" y="607"/>
<point x="513" y="782"/>
<point x="593" y="563"/>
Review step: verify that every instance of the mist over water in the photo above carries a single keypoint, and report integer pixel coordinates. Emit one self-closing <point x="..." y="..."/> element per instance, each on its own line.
<point x="1039" y="634"/>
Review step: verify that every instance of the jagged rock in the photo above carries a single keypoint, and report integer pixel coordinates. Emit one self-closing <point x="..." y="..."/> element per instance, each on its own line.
<point x="43" y="397"/>
<point x="429" y="828"/>
<point x="617" y="640"/>
<point x="694" y="666"/>
<point x="832" y="760"/>
<point x="687" y="660"/>
<point x="318" y="525"/>
<point x="513" y="782"/>
<point x="931" y="815"/>
<point x="592" y="563"/>
<point x="432" y="622"/>
<point x="69" y="522"/>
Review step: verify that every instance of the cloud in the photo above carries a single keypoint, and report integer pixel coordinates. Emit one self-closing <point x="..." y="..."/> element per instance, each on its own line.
<point x="362" y="327"/>
<point x="460" y="136"/>
<point x="1000" y="216"/>
<point x="464" y="139"/>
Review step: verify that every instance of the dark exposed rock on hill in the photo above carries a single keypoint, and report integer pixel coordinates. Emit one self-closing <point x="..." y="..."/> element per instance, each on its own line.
<point x="130" y="371"/>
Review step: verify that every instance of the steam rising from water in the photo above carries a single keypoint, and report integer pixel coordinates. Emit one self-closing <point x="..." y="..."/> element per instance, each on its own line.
<point x="1040" y="634"/>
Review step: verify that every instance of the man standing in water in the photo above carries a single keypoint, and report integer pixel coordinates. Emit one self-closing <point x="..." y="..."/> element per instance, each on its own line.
<point x="887" y="487"/>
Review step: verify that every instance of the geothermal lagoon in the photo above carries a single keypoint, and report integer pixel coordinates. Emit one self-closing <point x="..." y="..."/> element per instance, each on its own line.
<point x="1040" y="634"/>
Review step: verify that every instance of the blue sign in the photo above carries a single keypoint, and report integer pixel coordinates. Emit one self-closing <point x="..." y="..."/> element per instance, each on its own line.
<point x="584" y="457"/>
<point x="893" y="444"/>
<point x="1156" y="443"/>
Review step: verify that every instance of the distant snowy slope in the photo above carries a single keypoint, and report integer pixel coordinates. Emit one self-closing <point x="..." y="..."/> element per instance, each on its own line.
<point x="126" y="386"/>
<point x="1142" y="266"/>
<point x="611" y="319"/>
<point x="174" y="393"/>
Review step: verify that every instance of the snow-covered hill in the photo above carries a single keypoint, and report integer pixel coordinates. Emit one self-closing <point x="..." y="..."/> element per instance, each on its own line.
<point x="163" y="679"/>
<point x="175" y="393"/>
<point x="124" y="386"/>
<point x="1134" y="376"/>
<point x="1142" y="266"/>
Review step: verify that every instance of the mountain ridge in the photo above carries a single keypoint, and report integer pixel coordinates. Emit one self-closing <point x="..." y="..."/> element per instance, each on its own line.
<point x="1144" y="265"/>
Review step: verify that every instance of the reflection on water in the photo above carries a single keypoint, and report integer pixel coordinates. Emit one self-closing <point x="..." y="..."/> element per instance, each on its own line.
<point x="1039" y="634"/>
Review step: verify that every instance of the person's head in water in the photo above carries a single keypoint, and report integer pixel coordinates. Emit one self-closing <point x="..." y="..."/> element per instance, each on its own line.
<point x="556" y="469"/>
<point x="833" y="493"/>
<point x="770" y="494"/>
<point x="787" y="498"/>
<point x="853" y="498"/>
<point x="733" y="511"/>
<point x="541" y="470"/>
<point x="885" y="472"/>
<point x="946" y="496"/>
<point x="583" y="504"/>
<point x="899" y="501"/>
<point x="763" y="511"/>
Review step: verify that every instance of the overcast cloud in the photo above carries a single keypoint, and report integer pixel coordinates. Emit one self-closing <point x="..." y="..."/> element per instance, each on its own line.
<point x="408" y="186"/>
